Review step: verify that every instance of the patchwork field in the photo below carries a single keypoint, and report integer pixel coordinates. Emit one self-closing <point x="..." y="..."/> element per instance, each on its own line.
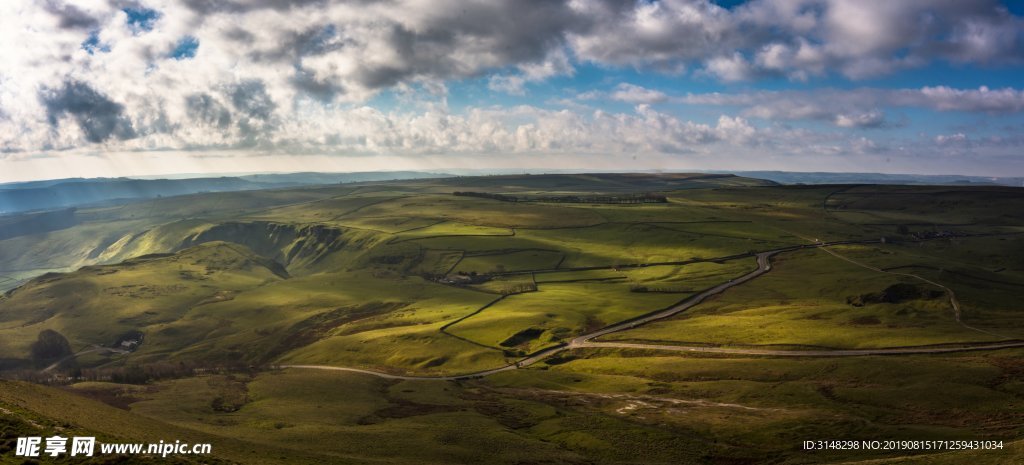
<point x="188" y="314"/>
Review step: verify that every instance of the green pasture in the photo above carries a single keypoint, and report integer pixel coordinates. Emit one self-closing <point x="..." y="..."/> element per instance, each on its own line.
<point x="510" y="261"/>
<point x="804" y="301"/>
<point x="368" y="276"/>
<point x="557" y="312"/>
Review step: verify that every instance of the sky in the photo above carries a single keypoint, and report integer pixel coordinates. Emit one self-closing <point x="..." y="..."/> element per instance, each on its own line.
<point x="102" y="88"/>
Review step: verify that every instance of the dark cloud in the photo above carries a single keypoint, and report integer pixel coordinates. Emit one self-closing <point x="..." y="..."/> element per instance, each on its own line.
<point x="255" y="54"/>
<point x="798" y="38"/>
<point x="462" y="39"/>
<point x="753" y="40"/>
<point x="70" y="16"/>
<point x="322" y="90"/>
<point x="255" y="122"/>
<point x="238" y="34"/>
<point x="517" y="31"/>
<point x="205" y="108"/>
<point x="240" y="6"/>
<point x="486" y="36"/>
<point x="312" y="41"/>
<point x="99" y="117"/>
<point x="251" y="98"/>
<point x="317" y="40"/>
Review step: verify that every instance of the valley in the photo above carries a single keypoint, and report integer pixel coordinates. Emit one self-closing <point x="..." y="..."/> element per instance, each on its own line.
<point x="733" y="320"/>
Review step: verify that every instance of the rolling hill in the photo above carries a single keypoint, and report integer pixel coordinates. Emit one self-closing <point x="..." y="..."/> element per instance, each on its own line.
<point x="201" y="298"/>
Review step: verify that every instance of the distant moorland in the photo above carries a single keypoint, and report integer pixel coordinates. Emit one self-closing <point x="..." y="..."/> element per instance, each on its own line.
<point x="560" y="318"/>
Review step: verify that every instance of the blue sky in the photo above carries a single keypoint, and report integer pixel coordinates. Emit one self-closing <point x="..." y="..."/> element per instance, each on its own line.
<point x="916" y="86"/>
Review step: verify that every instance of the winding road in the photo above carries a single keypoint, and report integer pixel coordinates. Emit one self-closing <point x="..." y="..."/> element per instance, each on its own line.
<point x="763" y="266"/>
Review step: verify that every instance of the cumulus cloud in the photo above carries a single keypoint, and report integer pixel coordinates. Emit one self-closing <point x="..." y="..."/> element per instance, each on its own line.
<point x="663" y="34"/>
<point x="797" y="38"/>
<point x="556" y="63"/>
<point x="630" y="93"/>
<point x="509" y="84"/>
<point x="297" y="74"/>
<point x="98" y="117"/>
<point x="70" y="16"/>
<point x="729" y="68"/>
<point x="983" y="99"/>
<point x="870" y="119"/>
<point x="861" y="108"/>
<point x="205" y="109"/>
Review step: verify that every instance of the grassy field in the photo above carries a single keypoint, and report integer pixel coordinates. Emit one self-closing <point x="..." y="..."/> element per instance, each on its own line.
<point x="356" y="271"/>
<point x="406" y="278"/>
<point x="143" y="294"/>
<point x="806" y="301"/>
<point x="518" y="260"/>
<point x="757" y="407"/>
<point x="556" y="312"/>
<point x="602" y="407"/>
<point x="984" y="273"/>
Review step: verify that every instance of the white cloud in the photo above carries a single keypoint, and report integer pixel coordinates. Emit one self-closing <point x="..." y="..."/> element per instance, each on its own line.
<point x="870" y="119"/>
<point x="951" y="139"/>
<point x="983" y="99"/>
<point x="863" y="107"/>
<point x="556" y="63"/>
<point x="296" y="75"/>
<point x="513" y="85"/>
<point x="729" y="68"/>
<point x="630" y="93"/>
<point x="797" y="38"/>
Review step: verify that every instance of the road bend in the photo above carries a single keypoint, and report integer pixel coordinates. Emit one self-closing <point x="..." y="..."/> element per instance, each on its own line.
<point x="586" y="341"/>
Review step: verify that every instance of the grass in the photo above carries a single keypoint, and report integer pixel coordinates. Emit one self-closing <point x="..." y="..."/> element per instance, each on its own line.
<point x="340" y="319"/>
<point x="771" y="404"/>
<point x="602" y="407"/>
<point x="983" y="272"/>
<point x="44" y="411"/>
<point x="486" y="213"/>
<point x="509" y="284"/>
<point x="452" y="229"/>
<point x="927" y="205"/>
<point x="689" y="278"/>
<point x="804" y="301"/>
<point x="613" y="244"/>
<point x="437" y="262"/>
<point x="511" y="261"/>
<point x="347" y="417"/>
<point x="143" y="294"/>
<point x="355" y="256"/>
<point x="557" y="312"/>
<point x="348" y="276"/>
<point x="587" y="275"/>
<point x="330" y="210"/>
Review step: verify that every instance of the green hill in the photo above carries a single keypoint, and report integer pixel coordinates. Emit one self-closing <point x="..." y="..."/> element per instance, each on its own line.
<point x="369" y="274"/>
<point x="195" y="299"/>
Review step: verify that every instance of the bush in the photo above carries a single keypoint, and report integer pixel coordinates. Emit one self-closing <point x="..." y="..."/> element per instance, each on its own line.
<point x="50" y="346"/>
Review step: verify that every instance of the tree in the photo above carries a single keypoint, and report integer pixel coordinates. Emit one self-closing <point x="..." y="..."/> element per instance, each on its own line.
<point x="50" y="346"/>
